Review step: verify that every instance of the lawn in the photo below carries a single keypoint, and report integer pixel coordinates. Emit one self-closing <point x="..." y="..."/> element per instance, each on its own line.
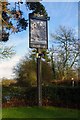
<point x="41" y="112"/>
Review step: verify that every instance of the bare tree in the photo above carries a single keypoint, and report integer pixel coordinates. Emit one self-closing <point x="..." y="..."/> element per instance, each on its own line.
<point x="67" y="48"/>
<point x="6" y="52"/>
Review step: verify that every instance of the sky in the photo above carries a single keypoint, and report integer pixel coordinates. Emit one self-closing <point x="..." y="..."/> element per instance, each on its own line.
<point x="45" y="0"/>
<point x="60" y="13"/>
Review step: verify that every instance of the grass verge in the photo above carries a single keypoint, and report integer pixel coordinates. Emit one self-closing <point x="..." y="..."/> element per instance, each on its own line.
<point x="40" y="112"/>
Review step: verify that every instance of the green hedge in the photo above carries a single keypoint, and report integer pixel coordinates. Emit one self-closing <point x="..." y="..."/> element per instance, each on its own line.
<point x="51" y="95"/>
<point x="63" y="96"/>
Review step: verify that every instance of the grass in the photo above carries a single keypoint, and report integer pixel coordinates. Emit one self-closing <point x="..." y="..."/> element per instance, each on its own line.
<point x="0" y="113"/>
<point x="41" y="112"/>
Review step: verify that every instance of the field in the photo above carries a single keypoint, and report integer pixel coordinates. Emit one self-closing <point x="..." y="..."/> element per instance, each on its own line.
<point x="41" y="112"/>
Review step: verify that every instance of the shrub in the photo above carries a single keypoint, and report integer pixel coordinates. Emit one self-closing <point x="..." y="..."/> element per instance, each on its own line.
<point x="51" y="95"/>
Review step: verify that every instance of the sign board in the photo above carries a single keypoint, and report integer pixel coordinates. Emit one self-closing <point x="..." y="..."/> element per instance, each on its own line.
<point x="38" y="35"/>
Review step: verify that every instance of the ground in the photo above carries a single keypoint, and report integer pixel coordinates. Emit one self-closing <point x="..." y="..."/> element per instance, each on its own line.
<point x="41" y="112"/>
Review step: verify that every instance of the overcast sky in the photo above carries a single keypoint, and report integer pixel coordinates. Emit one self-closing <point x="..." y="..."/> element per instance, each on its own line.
<point x="60" y="13"/>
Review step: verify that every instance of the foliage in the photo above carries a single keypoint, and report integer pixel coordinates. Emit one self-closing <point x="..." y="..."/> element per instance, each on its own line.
<point x="47" y="75"/>
<point x="13" y="19"/>
<point x="66" y="83"/>
<point x="7" y="82"/>
<point x="26" y="70"/>
<point x="43" y="53"/>
<point x="63" y="96"/>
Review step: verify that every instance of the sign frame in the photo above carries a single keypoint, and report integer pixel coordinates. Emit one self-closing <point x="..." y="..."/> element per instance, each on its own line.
<point x="34" y="43"/>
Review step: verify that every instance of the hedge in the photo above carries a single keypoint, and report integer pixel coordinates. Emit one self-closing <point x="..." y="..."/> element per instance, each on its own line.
<point x="51" y="95"/>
